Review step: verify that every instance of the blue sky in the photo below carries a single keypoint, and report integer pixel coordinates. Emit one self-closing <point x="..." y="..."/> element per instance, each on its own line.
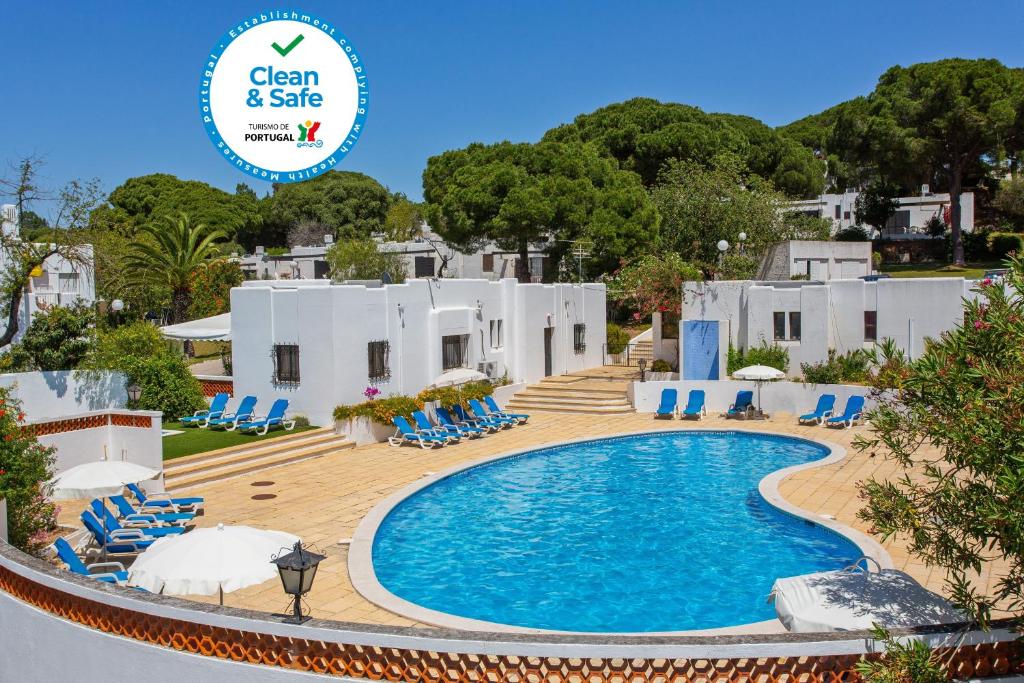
<point x="108" y="89"/>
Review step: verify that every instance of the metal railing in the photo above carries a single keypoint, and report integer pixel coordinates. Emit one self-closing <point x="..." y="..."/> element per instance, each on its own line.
<point x="631" y="355"/>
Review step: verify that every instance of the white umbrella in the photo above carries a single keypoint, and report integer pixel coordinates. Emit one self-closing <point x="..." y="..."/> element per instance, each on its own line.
<point x="854" y="600"/>
<point x="209" y="561"/>
<point x="98" y="479"/>
<point x="759" y="374"/>
<point x="458" y="376"/>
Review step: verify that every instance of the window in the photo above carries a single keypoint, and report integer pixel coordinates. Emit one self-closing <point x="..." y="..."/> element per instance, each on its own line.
<point x="377" y="360"/>
<point x="497" y="336"/>
<point x="846" y="215"/>
<point x="579" y="338"/>
<point x="900" y="220"/>
<point x="870" y="325"/>
<point x="780" y="324"/>
<point x="488" y="266"/>
<point x="286" y="363"/>
<point x="794" y="325"/>
<point x="454" y="349"/>
<point x="424" y="266"/>
<point x="67" y="283"/>
<point x="838" y="210"/>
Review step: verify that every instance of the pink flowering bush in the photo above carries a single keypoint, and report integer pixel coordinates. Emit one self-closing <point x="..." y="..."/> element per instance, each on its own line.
<point x="653" y="284"/>
<point x="25" y="467"/>
<point x="371" y="393"/>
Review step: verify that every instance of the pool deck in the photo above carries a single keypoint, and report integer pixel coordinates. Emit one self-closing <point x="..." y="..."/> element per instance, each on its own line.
<point x="323" y="500"/>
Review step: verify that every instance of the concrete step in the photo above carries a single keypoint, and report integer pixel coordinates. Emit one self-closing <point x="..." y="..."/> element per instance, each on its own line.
<point x="565" y="407"/>
<point x="309" y="436"/>
<point x="570" y="390"/>
<point x="582" y="399"/>
<point x="239" y="463"/>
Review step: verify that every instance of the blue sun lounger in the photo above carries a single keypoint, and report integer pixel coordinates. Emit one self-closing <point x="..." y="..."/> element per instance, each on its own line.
<point x="149" y="527"/>
<point x="853" y="413"/>
<point x="202" y="417"/>
<point x="695" y="404"/>
<point x="127" y="511"/>
<point x="495" y="410"/>
<point x="744" y="404"/>
<point x="406" y="434"/>
<point x="478" y="422"/>
<point x="667" y="407"/>
<point x="479" y="410"/>
<point x="114" y="572"/>
<point x="463" y="428"/>
<point x="163" y="500"/>
<point x="243" y="413"/>
<point x="826" y="403"/>
<point x="274" y="417"/>
<point x="120" y="542"/>
<point x="424" y="426"/>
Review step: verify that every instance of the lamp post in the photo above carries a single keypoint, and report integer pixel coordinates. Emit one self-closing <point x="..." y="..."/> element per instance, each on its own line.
<point x="743" y="238"/>
<point x="642" y="364"/>
<point x="297" y="569"/>
<point x="723" y="246"/>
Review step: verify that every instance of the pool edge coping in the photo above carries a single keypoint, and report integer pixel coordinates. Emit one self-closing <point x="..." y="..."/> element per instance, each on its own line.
<point x="364" y="578"/>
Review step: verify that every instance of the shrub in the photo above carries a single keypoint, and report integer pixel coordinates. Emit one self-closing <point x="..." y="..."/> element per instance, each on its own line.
<point x="854" y="233"/>
<point x="448" y="396"/>
<point x="60" y="338"/>
<point x="852" y="366"/>
<point x="876" y="260"/>
<point x="475" y="390"/>
<point x="301" y="421"/>
<point x="1000" y="244"/>
<point x="381" y="410"/>
<point x="166" y="385"/>
<point x="25" y="467"/>
<point x="935" y="227"/>
<point x="773" y="356"/>
<point x="904" y="661"/>
<point x="661" y="366"/>
<point x="617" y="338"/>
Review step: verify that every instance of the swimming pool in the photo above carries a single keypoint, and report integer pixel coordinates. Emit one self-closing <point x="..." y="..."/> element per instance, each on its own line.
<point x="643" y="533"/>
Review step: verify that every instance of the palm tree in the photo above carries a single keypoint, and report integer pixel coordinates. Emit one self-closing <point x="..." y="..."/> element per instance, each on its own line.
<point x="176" y="252"/>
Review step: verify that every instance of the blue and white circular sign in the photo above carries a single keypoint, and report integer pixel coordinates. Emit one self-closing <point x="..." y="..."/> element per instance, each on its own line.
<point x="283" y="96"/>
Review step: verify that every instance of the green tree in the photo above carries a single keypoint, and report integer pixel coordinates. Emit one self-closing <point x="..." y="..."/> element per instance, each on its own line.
<point x="361" y="259"/>
<point x="653" y="283"/>
<point x="211" y="290"/>
<point x="59" y="338"/>
<point x="151" y="197"/>
<point x="403" y="219"/>
<point x="1009" y="201"/>
<point x="25" y="467"/>
<point x="954" y="425"/>
<point x="172" y="256"/>
<point x="520" y="195"/>
<point x="19" y="257"/>
<point x="643" y="135"/>
<point x="351" y="204"/>
<point x="700" y="206"/>
<point x="877" y="203"/>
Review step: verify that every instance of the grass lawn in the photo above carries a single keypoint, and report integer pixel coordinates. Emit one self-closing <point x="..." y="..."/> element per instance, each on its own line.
<point x="973" y="271"/>
<point x="195" y="440"/>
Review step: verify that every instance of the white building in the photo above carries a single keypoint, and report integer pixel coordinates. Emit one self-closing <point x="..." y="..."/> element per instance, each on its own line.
<point x="909" y="220"/>
<point x="816" y="260"/>
<point x="423" y="257"/>
<point x="809" y="318"/>
<point x="321" y="344"/>
<point x="57" y="282"/>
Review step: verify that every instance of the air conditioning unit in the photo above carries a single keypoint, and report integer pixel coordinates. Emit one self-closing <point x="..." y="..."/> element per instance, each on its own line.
<point x="489" y="368"/>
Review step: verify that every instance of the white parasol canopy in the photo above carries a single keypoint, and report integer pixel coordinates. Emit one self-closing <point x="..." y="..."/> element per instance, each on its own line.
<point x="211" y="560"/>
<point x="759" y="374"/>
<point x="98" y="479"/>
<point x="852" y="600"/>
<point x="458" y="376"/>
<point x="214" y="328"/>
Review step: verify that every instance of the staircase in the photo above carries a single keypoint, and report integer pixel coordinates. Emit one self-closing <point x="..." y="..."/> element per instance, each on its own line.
<point x="567" y="394"/>
<point x="204" y="468"/>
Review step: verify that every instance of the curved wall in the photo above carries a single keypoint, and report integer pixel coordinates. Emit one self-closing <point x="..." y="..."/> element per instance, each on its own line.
<point x="58" y="626"/>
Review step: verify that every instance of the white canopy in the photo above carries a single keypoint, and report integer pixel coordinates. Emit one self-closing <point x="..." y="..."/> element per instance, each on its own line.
<point x="208" y="561"/>
<point x="759" y="373"/>
<point x="215" y="328"/>
<point x="854" y="600"/>
<point x="98" y="479"/>
<point x="458" y="376"/>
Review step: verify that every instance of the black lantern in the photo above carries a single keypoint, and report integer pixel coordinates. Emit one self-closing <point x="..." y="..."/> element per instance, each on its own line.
<point x="642" y="364"/>
<point x="134" y="392"/>
<point x="297" y="569"/>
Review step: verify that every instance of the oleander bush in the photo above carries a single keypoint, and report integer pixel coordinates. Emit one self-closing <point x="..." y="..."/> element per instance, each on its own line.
<point x="851" y="367"/>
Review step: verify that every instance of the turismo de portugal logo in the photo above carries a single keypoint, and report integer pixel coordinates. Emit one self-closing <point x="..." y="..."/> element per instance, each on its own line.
<point x="283" y="96"/>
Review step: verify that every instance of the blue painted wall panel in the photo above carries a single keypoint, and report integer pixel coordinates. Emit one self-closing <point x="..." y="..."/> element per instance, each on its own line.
<point x="700" y="349"/>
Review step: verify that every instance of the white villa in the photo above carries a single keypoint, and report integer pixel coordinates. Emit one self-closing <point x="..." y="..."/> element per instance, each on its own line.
<point x="58" y="282"/>
<point x="908" y="221"/>
<point x="809" y="318"/>
<point x="320" y="344"/>
<point x="816" y="260"/>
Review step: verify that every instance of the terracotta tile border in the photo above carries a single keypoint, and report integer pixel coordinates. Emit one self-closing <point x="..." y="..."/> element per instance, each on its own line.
<point x="60" y="426"/>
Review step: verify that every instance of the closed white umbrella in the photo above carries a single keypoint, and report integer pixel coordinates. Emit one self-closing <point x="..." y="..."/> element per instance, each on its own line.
<point x="458" y="376"/>
<point x="759" y="374"/>
<point x="209" y="561"/>
<point x="98" y="479"/>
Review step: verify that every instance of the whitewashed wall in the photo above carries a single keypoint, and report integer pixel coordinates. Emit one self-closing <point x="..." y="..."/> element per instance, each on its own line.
<point x="47" y="395"/>
<point x="795" y="398"/>
<point x="332" y="325"/>
<point x="139" y="445"/>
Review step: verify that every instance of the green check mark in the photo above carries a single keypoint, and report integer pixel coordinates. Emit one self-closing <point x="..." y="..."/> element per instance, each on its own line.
<point x="283" y="51"/>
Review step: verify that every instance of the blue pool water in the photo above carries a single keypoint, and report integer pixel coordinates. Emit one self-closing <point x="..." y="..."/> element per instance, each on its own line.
<point x="656" y="532"/>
